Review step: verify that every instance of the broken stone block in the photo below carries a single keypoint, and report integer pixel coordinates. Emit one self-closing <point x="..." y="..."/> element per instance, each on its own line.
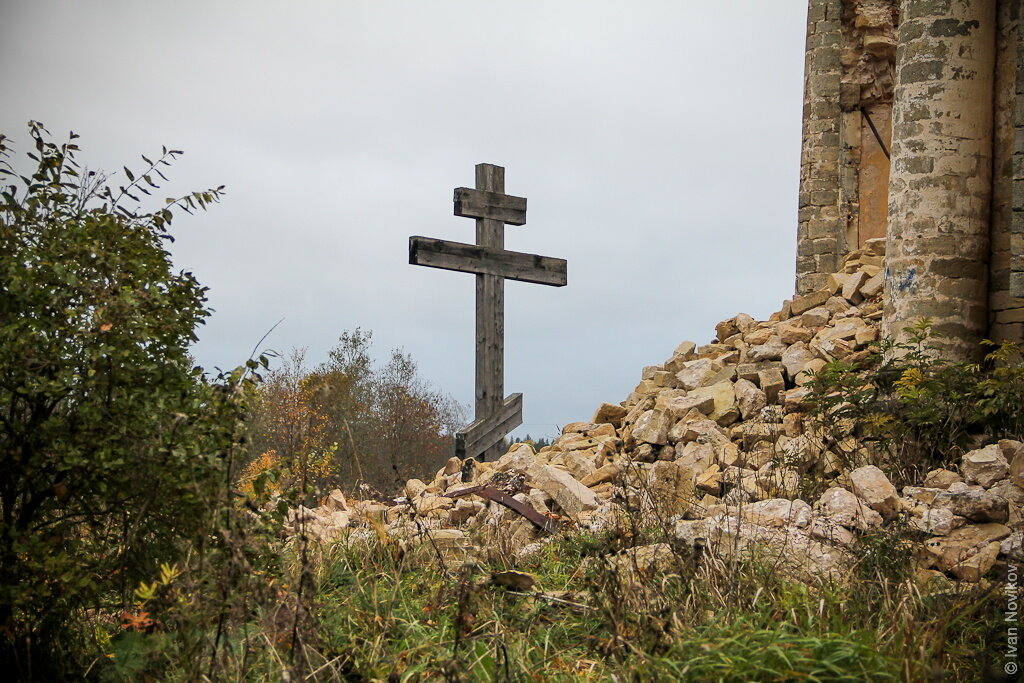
<point x="796" y="359"/>
<point x="772" y="384"/>
<point x="851" y="288"/>
<point x="652" y="427"/>
<point x="791" y="334"/>
<point x="872" y="486"/>
<point x="725" y="411"/>
<point x="955" y="551"/>
<point x="601" y="475"/>
<point x="770" y="350"/>
<point x="805" y="303"/>
<point x="778" y="513"/>
<point x="570" y="495"/>
<point x="846" y="509"/>
<point x="749" y="398"/>
<point x="697" y="373"/>
<point x="934" y="521"/>
<point x="816" y="317"/>
<point x="976" y="505"/>
<point x="680" y="406"/>
<point x="984" y="466"/>
<point x="610" y="413"/>
<point x="941" y="479"/>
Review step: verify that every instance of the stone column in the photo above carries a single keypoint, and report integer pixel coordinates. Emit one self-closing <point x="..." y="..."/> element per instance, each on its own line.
<point x="940" y="188"/>
<point x="821" y="223"/>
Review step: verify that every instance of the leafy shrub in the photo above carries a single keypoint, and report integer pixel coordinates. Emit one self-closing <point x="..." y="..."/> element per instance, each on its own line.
<point x="918" y="409"/>
<point x="114" y="449"/>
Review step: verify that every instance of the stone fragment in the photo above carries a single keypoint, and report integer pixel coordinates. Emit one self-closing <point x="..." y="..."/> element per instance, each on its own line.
<point x="770" y="350"/>
<point x="851" y="288"/>
<point x="816" y="317"/>
<point x="710" y="480"/>
<point x="749" y="398"/>
<point x="1013" y="451"/>
<point x="464" y="509"/>
<point x="805" y="303"/>
<point x="873" y="286"/>
<point x="976" y="504"/>
<point x="956" y="551"/>
<point x="336" y="501"/>
<point x="795" y="399"/>
<point x="726" y="329"/>
<point x="678" y="407"/>
<point x="602" y="474"/>
<point x="984" y="466"/>
<point x="846" y="509"/>
<point x="796" y="359"/>
<point x="610" y="413"/>
<point x="1013" y="546"/>
<point x="872" y="486"/>
<point x="428" y="503"/>
<point x="671" y="487"/>
<point x="791" y="551"/>
<point x="572" y="496"/>
<point x="652" y="427"/>
<point x="725" y="411"/>
<point x="778" y="513"/>
<point x="934" y="521"/>
<point x="414" y="488"/>
<point x="772" y="384"/>
<point x="520" y="458"/>
<point x="696" y="373"/>
<point x="941" y="479"/>
<point x="790" y="334"/>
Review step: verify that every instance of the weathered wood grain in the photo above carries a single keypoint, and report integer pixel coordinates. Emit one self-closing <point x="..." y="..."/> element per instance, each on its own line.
<point x="491" y="205"/>
<point x="494" y="415"/>
<point x="486" y="432"/>
<point x="472" y="258"/>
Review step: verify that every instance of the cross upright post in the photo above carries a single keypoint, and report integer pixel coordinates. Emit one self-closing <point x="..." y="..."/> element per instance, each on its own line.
<point x="490" y="311"/>
<point x="494" y="414"/>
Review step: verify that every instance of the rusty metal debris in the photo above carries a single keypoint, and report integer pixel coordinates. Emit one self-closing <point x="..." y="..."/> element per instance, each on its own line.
<point x="540" y="520"/>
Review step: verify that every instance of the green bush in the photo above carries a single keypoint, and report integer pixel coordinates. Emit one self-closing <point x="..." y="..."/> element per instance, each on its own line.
<point x="918" y="409"/>
<point x="114" y="449"/>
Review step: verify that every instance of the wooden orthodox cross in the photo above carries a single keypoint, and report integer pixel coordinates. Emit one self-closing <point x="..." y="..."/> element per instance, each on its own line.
<point x="494" y="415"/>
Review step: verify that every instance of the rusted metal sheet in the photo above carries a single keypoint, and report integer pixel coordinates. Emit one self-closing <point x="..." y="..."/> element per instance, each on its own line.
<point x="546" y="524"/>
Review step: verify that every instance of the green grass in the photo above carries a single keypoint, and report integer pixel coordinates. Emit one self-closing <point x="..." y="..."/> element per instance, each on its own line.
<point x="384" y="615"/>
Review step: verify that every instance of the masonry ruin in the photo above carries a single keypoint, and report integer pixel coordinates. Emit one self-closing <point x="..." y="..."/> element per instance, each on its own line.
<point x="913" y="130"/>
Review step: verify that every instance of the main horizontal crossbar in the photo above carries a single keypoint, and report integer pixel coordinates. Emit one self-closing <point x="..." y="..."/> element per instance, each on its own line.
<point x="482" y="434"/>
<point x="472" y="258"/>
<point x="482" y="204"/>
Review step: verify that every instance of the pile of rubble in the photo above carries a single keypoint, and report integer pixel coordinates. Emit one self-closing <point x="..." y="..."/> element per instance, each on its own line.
<point x="715" y="446"/>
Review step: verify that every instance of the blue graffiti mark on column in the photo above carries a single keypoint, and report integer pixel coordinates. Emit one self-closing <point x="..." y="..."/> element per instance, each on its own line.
<point x="901" y="284"/>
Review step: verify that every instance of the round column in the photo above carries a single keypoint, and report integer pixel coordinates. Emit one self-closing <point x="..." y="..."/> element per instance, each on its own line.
<point x="940" y="188"/>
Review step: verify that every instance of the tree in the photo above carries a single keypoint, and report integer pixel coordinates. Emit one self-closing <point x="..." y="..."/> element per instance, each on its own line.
<point x="113" y="447"/>
<point x="348" y="421"/>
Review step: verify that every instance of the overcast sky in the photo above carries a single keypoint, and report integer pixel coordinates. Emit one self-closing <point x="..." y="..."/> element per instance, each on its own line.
<point x="657" y="143"/>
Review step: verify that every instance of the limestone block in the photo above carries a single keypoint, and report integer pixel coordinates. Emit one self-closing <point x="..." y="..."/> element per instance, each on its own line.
<point x="770" y="350"/>
<point x="846" y="509"/>
<point x="697" y="372"/>
<point x="984" y="466"/>
<point x="816" y="317"/>
<point x="570" y="495"/>
<point x="749" y="398"/>
<point x="726" y="411"/>
<point x="805" y="303"/>
<point x="975" y="504"/>
<point x="652" y="427"/>
<point x="772" y="384"/>
<point x="790" y="334"/>
<point x="872" y="486"/>
<point x="796" y="360"/>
